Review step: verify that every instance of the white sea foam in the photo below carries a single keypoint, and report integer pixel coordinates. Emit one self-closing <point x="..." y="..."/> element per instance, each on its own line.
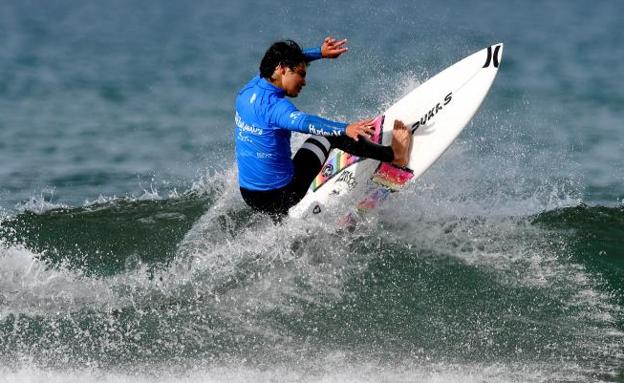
<point x="30" y="286"/>
<point x="41" y="203"/>
<point x="333" y="367"/>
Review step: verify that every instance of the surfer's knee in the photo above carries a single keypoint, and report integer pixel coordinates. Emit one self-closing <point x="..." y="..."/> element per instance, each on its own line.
<point x="319" y="146"/>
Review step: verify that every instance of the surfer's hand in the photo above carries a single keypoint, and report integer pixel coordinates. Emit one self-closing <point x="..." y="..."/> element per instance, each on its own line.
<point x="332" y="48"/>
<point x="361" y="128"/>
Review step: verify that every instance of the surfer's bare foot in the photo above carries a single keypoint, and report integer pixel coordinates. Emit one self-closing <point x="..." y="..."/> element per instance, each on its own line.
<point x="401" y="140"/>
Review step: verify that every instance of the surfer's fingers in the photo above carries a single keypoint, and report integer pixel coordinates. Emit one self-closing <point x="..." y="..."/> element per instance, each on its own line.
<point x="339" y="48"/>
<point x="367" y="130"/>
<point x="367" y="123"/>
<point x="360" y="128"/>
<point x="335" y="46"/>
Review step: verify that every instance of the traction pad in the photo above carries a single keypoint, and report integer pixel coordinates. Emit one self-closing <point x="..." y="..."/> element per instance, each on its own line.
<point x="391" y="176"/>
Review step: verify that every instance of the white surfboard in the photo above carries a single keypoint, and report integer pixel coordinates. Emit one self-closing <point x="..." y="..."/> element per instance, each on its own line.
<point x="437" y="111"/>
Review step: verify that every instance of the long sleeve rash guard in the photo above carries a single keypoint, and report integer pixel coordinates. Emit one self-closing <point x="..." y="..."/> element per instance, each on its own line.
<point x="264" y="121"/>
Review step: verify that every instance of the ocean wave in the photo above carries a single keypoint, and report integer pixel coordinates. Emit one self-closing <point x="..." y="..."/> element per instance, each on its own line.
<point x="196" y="277"/>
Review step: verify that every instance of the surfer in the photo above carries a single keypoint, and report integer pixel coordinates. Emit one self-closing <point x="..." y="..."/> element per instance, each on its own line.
<point x="270" y="181"/>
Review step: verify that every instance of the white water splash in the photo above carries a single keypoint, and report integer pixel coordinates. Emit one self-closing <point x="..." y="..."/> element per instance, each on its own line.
<point x="332" y="367"/>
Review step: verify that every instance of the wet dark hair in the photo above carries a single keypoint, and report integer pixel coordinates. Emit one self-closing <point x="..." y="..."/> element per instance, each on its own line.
<point x="287" y="53"/>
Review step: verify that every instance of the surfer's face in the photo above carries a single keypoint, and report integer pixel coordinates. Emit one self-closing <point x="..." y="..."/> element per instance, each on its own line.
<point x="293" y="80"/>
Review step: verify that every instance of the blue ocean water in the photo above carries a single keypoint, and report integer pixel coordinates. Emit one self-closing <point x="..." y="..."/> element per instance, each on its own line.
<point x="126" y="253"/>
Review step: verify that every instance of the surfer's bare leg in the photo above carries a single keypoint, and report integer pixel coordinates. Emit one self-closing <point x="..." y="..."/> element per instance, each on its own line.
<point x="401" y="140"/>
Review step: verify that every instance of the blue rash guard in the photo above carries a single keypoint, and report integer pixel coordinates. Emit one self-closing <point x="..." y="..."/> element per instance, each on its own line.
<point x="264" y="122"/>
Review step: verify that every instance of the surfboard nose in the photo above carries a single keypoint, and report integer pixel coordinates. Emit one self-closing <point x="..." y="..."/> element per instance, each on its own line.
<point x="494" y="55"/>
